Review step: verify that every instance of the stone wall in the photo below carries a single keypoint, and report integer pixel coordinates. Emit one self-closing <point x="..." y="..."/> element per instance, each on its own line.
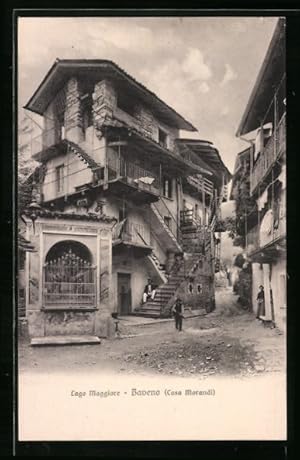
<point x="146" y="122"/>
<point x="197" y="289"/>
<point x="104" y="102"/>
<point x="73" y="121"/>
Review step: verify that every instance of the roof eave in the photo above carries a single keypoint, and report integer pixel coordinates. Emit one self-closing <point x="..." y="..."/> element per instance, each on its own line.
<point x="210" y="145"/>
<point x="182" y="123"/>
<point x="277" y="36"/>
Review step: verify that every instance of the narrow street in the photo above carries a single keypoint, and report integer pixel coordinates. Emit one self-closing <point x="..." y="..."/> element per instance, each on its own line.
<point x="226" y="342"/>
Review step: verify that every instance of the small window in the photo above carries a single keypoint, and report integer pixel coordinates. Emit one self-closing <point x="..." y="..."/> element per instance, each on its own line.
<point x="167" y="188"/>
<point x="60" y="178"/>
<point x="162" y="138"/>
<point x="199" y="288"/>
<point x="167" y="221"/>
<point x="190" y="288"/>
<point x="87" y="118"/>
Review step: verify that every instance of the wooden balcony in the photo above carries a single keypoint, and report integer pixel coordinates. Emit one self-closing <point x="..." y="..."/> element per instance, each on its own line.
<point x="123" y="176"/>
<point x="189" y="217"/>
<point x="201" y="184"/>
<point x="134" y="235"/>
<point x="273" y="150"/>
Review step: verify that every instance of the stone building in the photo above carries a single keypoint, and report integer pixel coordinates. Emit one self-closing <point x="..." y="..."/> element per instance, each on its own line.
<point x="120" y="199"/>
<point x="264" y="125"/>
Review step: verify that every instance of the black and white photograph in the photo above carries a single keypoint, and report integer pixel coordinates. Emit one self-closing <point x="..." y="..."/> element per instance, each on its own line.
<point x="151" y="228"/>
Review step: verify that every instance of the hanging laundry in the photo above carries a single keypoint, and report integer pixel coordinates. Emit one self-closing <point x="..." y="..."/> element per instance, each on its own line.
<point x="146" y="180"/>
<point x="266" y="227"/>
<point x="258" y="143"/>
<point x="262" y="200"/>
<point x="117" y="230"/>
<point x="282" y="176"/>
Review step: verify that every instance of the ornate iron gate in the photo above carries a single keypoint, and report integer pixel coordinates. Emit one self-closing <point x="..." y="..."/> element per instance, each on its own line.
<point x="69" y="280"/>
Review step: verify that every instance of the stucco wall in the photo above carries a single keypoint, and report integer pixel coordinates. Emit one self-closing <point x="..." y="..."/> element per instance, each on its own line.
<point x="278" y="285"/>
<point x="139" y="271"/>
<point x="94" y="145"/>
<point x="76" y="173"/>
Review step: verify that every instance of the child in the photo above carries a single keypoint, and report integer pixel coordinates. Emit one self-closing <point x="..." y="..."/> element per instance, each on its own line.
<point x="178" y="311"/>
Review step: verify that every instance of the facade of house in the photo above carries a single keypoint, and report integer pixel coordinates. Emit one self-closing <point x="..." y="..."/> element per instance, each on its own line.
<point x="120" y="199"/>
<point x="264" y="121"/>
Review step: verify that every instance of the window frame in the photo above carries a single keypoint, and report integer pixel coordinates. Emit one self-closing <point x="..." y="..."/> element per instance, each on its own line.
<point x="167" y="191"/>
<point x="60" y="179"/>
<point x="165" y="141"/>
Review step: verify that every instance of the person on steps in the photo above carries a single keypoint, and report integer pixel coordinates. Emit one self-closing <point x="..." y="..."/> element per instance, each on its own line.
<point x="149" y="291"/>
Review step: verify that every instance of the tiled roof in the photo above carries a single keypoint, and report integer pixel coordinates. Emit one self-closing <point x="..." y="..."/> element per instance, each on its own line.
<point x="47" y="213"/>
<point x="97" y="68"/>
<point x="82" y="154"/>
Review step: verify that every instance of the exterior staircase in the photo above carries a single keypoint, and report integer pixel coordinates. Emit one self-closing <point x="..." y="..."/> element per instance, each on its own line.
<point x="168" y="235"/>
<point x="164" y="293"/>
<point x="195" y="243"/>
<point x="159" y="268"/>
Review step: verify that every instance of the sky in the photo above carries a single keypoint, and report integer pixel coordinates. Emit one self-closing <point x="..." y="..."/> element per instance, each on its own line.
<point x="203" y="67"/>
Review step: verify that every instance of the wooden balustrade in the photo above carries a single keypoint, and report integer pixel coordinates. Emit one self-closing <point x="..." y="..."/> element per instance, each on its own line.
<point x="272" y="150"/>
<point x="119" y="168"/>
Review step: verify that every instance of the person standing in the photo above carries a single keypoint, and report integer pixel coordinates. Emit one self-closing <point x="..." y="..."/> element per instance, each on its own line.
<point x="178" y="311"/>
<point x="260" y="302"/>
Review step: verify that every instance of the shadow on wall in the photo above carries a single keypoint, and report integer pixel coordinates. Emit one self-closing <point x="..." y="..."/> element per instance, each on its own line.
<point x="243" y="283"/>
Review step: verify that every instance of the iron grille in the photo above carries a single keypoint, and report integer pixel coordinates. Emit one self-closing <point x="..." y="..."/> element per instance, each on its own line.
<point x="69" y="281"/>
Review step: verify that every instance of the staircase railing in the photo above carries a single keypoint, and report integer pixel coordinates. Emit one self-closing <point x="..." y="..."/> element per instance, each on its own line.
<point x="171" y="221"/>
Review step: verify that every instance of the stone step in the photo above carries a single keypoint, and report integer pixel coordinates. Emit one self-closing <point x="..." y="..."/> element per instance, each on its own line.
<point x="145" y="314"/>
<point x="149" y="308"/>
<point x="151" y="311"/>
<point x="65" y="340"/>
<point x="162" y="298"/>
<point x="165" y="293"/>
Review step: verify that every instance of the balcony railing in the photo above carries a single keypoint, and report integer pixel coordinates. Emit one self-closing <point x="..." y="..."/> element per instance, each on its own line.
<point x="273" y="149"/>
<point x="122" y="169"/>
<point x="255" y="239"/>
<point x="189" y="216"/>
<point x="203" y="184"/>
<point x="169" y="219"/>
<point x="133" y="232"/>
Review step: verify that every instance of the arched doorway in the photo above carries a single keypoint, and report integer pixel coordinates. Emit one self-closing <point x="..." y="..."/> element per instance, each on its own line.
<point x="69" y="276"/>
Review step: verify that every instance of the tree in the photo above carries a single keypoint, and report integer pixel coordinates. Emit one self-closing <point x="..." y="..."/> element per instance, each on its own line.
<point x="28" y="173"/>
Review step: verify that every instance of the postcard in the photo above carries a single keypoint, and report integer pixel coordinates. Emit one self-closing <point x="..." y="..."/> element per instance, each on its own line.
<point x="151" y="228"/>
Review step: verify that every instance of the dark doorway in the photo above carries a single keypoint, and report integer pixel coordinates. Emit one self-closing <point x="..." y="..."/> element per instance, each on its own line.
<point x="124" y="293"/>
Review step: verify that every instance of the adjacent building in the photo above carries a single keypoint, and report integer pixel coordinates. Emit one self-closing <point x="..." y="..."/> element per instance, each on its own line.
<point x="264" y="163"/>
<point x="120" y="199"/>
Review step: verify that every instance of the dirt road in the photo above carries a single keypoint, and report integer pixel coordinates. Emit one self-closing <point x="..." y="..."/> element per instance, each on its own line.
<point x="228" y="341"/>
